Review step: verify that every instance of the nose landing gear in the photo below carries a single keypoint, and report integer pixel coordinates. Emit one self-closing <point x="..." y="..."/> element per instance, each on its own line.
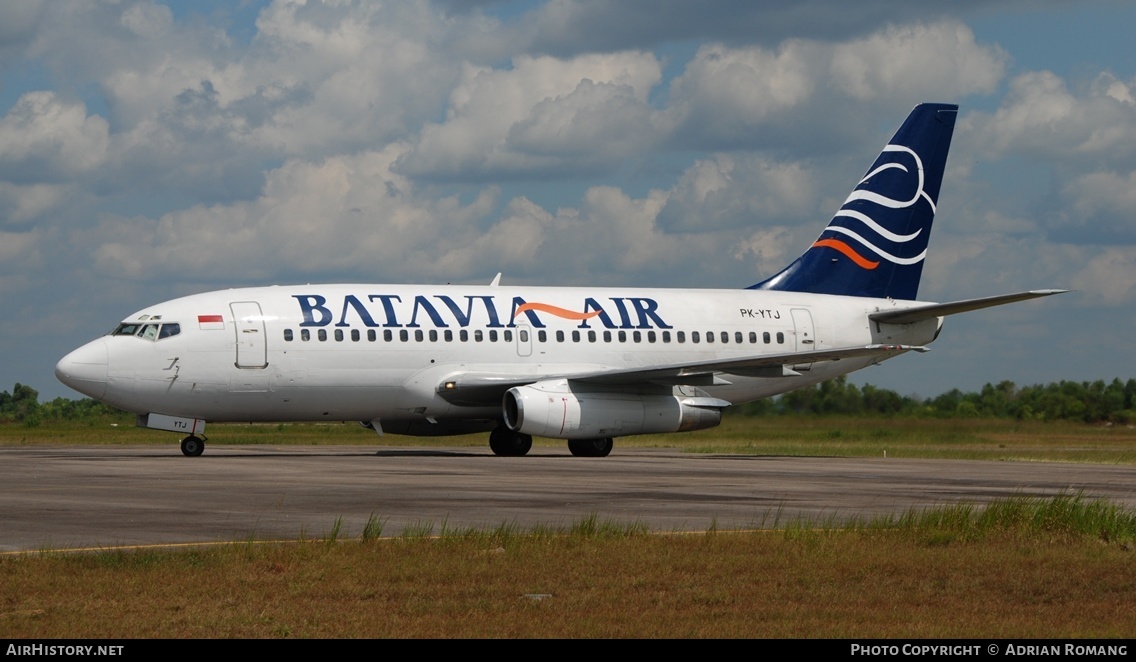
<point x="192" y="446"/>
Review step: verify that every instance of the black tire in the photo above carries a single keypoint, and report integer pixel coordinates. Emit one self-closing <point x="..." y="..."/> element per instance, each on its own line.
<point x="192" y="446"/>
<point x="507" y="443"/>
<point x="590" y="447"/>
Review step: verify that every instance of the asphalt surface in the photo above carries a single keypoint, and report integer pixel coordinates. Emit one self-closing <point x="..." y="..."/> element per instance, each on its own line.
<point x="102" y="497"/>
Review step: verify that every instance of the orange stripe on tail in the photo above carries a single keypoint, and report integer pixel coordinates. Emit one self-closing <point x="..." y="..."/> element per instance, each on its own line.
<point x="848" y="251"/>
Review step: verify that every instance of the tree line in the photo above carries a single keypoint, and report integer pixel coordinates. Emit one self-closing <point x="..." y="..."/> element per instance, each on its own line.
<point x="1088" y="402"/>
<point x="22" y="405"/>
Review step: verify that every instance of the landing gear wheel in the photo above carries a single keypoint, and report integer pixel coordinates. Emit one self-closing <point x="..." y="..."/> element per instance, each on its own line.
<point x="508" y="443"/>
<point x="192" y="446"/>
<point x="590" y="447"/>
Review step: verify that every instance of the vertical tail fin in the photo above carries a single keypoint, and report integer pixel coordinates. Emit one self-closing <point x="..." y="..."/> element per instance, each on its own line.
<point x="875" y="244"/>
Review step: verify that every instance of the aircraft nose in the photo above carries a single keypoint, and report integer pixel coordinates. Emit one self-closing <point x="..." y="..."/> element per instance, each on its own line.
<point x="85" y="369"/>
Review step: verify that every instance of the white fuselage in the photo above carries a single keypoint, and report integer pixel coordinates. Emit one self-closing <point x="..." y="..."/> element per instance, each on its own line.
<point x="380" y="352"/>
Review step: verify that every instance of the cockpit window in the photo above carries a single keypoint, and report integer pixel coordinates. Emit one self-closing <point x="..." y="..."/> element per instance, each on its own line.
<point x="147" y="331"/>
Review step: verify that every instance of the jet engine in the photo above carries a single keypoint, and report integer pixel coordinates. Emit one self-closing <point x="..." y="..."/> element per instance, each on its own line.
<point x="564" y="410"/>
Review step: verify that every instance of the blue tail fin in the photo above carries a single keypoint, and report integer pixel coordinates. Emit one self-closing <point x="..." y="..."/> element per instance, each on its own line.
<point x="875" y="245"/>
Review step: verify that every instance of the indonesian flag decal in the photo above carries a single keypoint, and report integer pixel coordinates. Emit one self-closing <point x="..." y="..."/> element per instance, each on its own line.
<point x="210" y="322"/>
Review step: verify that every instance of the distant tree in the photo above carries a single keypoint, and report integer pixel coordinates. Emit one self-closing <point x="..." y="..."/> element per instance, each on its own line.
<point x="21" y="405"/>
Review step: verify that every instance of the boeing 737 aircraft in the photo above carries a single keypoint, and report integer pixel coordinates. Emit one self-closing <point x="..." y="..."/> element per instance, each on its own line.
<point x="582" y="364"/>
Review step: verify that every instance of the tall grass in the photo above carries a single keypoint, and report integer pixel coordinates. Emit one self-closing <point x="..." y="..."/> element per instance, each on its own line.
<point x="1067" y="516"/>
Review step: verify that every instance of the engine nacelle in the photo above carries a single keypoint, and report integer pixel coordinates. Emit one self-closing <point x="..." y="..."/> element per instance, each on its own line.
<point x="562" y="411"/>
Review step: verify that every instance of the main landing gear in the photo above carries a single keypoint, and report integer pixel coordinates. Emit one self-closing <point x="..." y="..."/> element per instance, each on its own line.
<point x="192" y="446"/>
<point x="590" y="447"/>
<point x="506" y="442"/>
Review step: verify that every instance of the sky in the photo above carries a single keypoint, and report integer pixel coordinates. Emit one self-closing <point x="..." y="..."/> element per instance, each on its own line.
<point x="150" y="150"/>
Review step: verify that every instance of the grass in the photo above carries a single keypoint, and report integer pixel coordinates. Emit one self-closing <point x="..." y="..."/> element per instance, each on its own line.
<point x="833" y="436"/>
<point x="1020" y="568"/>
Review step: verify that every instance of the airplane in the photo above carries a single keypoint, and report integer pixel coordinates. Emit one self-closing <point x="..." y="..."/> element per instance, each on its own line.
<point x="582" y="364"/>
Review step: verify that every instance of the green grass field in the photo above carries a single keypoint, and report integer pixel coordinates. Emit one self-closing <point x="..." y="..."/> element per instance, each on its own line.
<point x="978" y="439"/>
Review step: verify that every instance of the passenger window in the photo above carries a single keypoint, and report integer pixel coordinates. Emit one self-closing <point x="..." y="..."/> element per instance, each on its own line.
<point x="780" y="338"/>
<point x="523" y="335"/>
<point x="725" y="337"/>
<point x="694" y="337"/>
<point x="305" y="335"/>
<point x="288" y="335"/>
<point x="709" y="336"/>
<point x="680" y="336"/>
<point x="371" y="335"/>
<point x="607" y="336"/>
<point x="753" y="337"/>
<point x="388" y="335"/>
<point x="403" y="335"/>
<point x="418" y="335"/>
<point x="355" y="335"/>
<point x="477" y="335"/>
<point x="591" y="336"/>
<point x="765" y="337"/>
<point x="575" y="336"/>
<point x="559" y="336"/>
<point x="448" y="335"/>
<point x="463" y="335"/>
<point x="666" y="336"/>
<point x="493" y="335"/>
<point x="541" y="336"/>
<point x="433" y="335"/>
<point x="322" y="335"/>
<point x="508" y="335"/>
<point x="622" y="336"/>
<point x="339" y="335"/>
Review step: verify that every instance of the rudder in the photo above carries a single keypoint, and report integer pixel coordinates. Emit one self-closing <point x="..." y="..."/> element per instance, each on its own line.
<point x="876" y="243"/>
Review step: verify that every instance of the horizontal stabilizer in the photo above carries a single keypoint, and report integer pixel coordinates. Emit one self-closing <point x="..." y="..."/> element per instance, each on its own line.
<point x="930" y="311"/>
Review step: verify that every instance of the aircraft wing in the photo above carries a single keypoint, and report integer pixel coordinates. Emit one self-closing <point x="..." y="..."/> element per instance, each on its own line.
<point x="480" y="389"/>
<point x="920" y="313"/>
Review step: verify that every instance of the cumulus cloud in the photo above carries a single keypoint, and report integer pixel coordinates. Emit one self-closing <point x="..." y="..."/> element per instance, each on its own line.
<point x="1109" y="277"/>
<point x="1041" y="117"/>
<point x="343" y="215"/>
<point x="43" y="138"/>
<point x="569" y="27"/>
<point x="21" y="204"/>
<point x="541" y="116"/>
<point x="730" y="191"/>
<point x="935" y="62"/>
<point x="753" y="95"/>
<point x="1101" y="208"/>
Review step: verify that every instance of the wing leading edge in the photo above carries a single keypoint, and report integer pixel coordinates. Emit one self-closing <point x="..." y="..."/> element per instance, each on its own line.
<point x="482" y="389"/>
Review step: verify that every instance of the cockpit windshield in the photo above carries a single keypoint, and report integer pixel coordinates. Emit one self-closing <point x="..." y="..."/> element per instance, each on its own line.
<point x="147" y="331"/>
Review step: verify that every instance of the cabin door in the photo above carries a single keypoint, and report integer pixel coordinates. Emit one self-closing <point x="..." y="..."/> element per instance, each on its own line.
<point x="252" y="349"/>
<point x="803" y="324"/>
